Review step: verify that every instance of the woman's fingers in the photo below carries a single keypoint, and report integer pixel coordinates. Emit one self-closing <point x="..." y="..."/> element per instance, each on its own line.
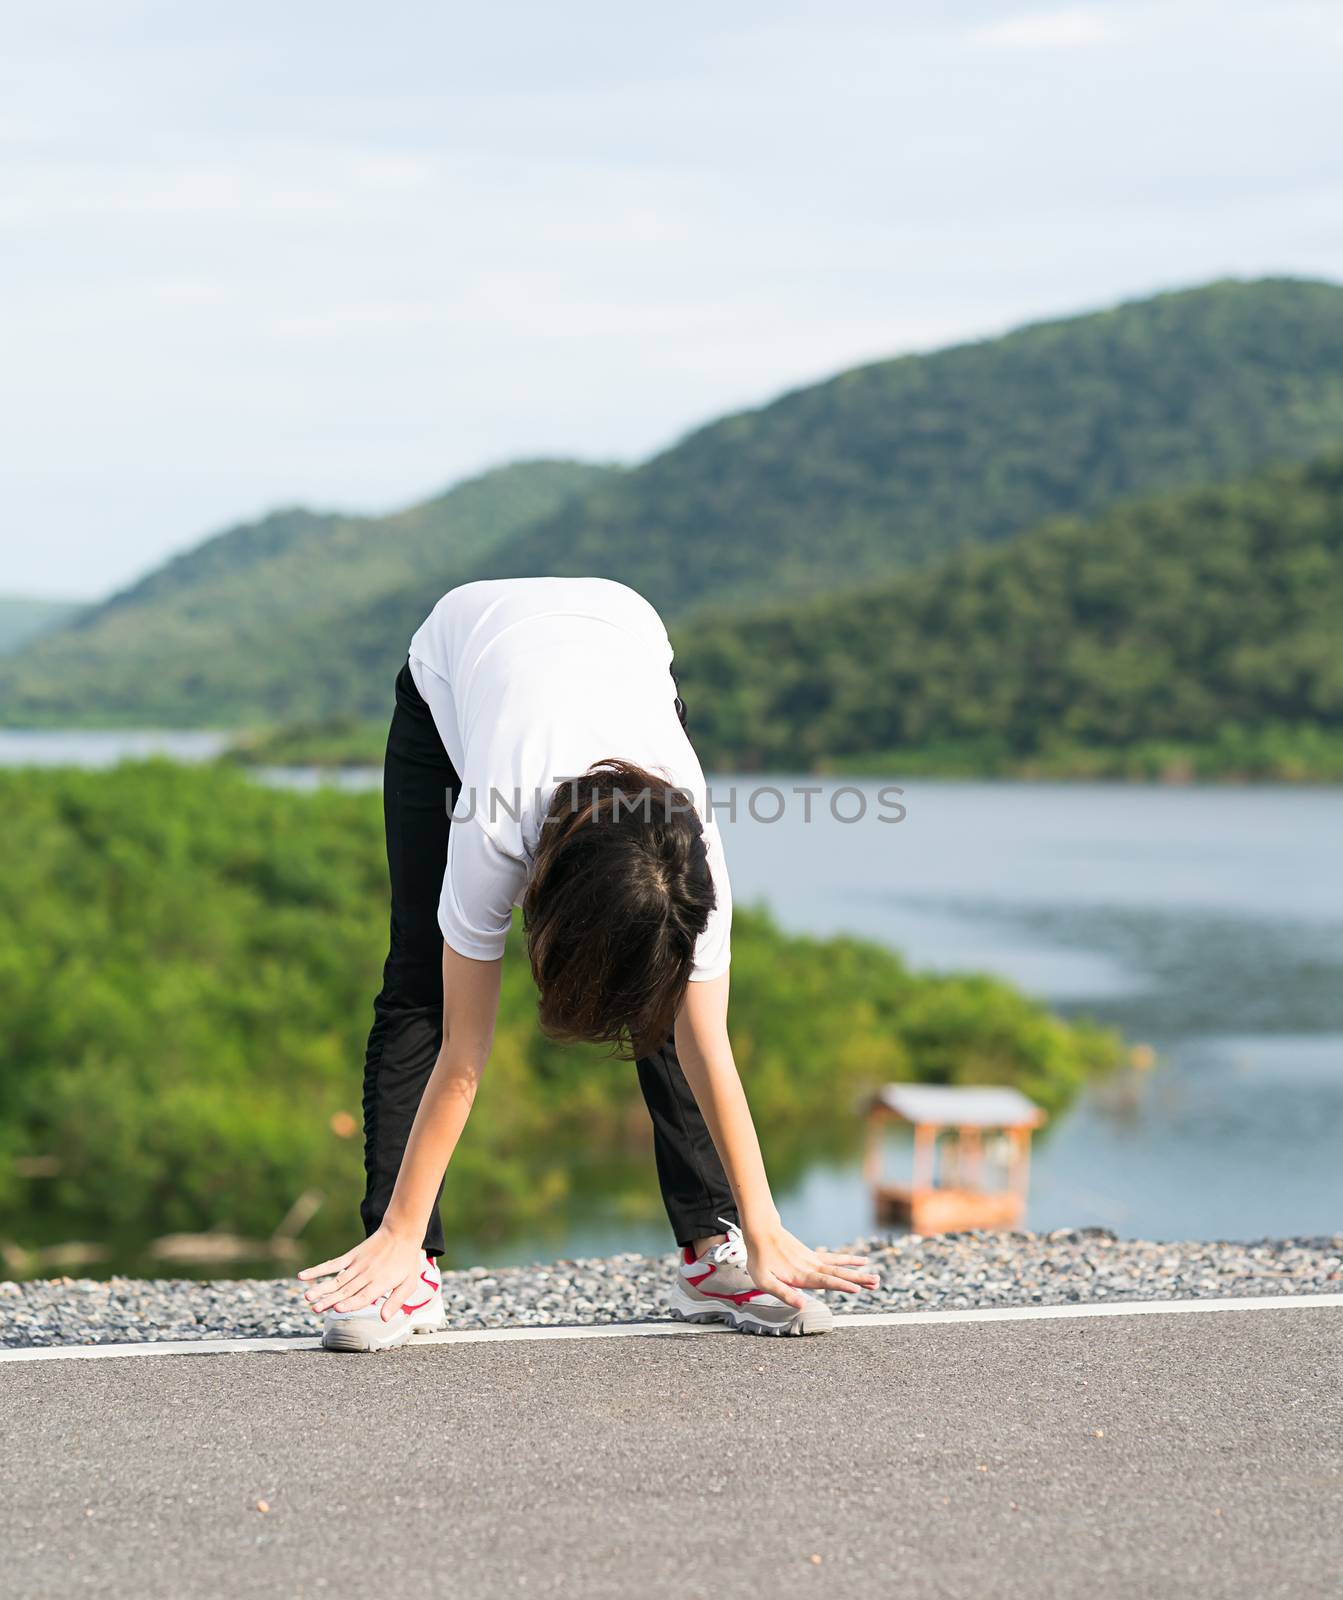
<point x="857" y="1268"/>
<point x="359" y="1298"/>
<point x="341" y="1275"/>
<point x="785" y="1292"/>
<point x="332" y="1290"/>
<point x="354" y="1268"/>
<point x="336" y="1264"/>
<point x="360" y="1279"/>
<point x="815" y="1271"/>
<point x="824" y="1280"/>
<point x="321" y="1296"/>
<point x="356" y="1297"/>
<point x="771" y="1283"/>
<point x="400" y="1295"/>
<point x="333" y="1295"/>
<point x="833" y="1263"/>
<point x="864" y="1280"/>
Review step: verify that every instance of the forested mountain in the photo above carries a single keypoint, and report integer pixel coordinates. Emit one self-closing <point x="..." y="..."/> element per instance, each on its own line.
<point x="893" y="463"/>
<point x="212" y="635"/>
<point x="23" y="618"/>
<point x="856" y="480"/>
<point x="1185" y="618"/>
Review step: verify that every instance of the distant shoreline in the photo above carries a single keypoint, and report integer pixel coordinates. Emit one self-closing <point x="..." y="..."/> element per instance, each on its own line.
<point x="1307" y="760"/>
<point x="1270" y="757"/>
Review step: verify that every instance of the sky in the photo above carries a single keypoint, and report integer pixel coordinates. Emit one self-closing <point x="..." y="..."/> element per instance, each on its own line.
<point x="341" y="255"/>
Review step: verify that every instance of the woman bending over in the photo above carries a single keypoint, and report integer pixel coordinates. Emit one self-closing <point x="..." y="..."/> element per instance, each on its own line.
<point x="538" y="757"/>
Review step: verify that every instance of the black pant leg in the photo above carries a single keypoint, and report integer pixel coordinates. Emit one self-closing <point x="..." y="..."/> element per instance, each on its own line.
<point x="419" y="789"/>
<point x="695" y="1189"/>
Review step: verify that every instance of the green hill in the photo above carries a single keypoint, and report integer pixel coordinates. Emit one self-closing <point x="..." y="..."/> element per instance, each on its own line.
<point x="1203" y="619"/>
<point x="23" y="618"/>
<point x="889" y="466"/>
<point x="893" y="463"/>
<point x="900" y="462"/>
<point x="214" y="635"/>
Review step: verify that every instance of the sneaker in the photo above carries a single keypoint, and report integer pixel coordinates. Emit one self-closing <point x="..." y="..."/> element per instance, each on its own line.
<point x="716" y="1287"/>
<point x="366" y="1330"/>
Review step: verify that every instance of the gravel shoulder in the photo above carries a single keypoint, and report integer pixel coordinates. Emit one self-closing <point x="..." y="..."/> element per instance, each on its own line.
<point x="948" y="1272"/>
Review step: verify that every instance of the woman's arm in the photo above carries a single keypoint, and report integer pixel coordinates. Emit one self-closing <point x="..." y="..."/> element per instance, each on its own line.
<point x="389" y="1260"/>
<point x="778" y="1263"/>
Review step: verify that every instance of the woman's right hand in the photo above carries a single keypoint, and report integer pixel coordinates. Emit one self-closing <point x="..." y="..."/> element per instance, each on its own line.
<point x="386" y="1263"/>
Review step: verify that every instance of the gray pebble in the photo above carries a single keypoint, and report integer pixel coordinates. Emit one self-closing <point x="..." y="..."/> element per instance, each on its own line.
<point x="951" y="1271"/>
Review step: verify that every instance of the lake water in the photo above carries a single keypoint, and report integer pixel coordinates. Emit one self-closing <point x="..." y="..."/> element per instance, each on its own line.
<point x="1206" y="922"/>
<point x="97" y="748"/>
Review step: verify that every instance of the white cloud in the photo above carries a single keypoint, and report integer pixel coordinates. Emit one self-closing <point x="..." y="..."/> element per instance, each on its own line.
<point x="267" y="260"/>
<point x="1068" y="28"/>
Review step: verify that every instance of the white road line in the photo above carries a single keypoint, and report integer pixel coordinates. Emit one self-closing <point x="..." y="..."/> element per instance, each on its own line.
<point x="630" y="1330"/>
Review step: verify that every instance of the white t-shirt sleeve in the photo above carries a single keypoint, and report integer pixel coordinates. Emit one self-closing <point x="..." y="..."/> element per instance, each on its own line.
<point x="480" y="884"/>
<point x="713" y="948"/>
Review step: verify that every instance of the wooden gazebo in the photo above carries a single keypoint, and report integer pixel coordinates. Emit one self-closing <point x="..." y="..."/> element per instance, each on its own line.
<point x="971" y="1156"/>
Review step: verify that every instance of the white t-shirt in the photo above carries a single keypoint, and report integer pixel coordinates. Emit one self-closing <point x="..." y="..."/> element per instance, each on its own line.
<point x="529" y="681"/>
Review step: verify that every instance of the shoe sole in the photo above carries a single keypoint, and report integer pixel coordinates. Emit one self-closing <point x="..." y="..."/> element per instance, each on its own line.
<point x="350" y="1338"/>
<point x="814" y="1318"/>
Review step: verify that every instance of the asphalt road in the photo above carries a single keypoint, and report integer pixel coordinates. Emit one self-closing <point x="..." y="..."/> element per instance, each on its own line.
<point x="1141" y="1456"/>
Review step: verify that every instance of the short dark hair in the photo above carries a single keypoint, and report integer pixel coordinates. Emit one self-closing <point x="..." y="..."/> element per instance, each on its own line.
<point x="619" y="891"/>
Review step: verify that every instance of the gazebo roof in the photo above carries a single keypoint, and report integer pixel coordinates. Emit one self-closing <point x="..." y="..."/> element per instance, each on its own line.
<point x="958" y="1107"/>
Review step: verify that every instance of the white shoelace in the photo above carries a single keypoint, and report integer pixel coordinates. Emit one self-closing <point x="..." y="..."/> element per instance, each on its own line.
<point x="733" y="1248"/>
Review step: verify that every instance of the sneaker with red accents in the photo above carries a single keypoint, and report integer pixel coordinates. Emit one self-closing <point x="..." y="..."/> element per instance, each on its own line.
<point x="366" y="1330"/>
<point x="716" y="1287"/>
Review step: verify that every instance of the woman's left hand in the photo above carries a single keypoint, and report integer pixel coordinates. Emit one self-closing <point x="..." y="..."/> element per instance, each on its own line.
<point x="386" y="1263"/>
<point x="783" y="1266"/>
